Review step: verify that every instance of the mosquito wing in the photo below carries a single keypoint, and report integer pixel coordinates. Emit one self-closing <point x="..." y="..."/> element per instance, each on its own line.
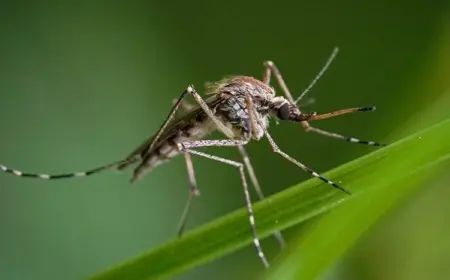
<point x="178" y="124"/>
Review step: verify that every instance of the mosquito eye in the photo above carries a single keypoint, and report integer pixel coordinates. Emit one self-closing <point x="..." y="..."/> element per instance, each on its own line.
<point x="283" y="112"/>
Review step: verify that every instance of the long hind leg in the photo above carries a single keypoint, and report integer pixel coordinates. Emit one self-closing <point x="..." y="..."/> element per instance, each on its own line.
<point x="251" y="172"/>
<point x="64" y="175"/>
<point x="188" y="147"/>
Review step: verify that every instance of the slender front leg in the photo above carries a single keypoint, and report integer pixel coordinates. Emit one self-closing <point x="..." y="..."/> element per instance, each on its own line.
<point x="270" y="67"/>
<point x="301" y="165"/>
<point x="309" y="128"/>
<point x="286" y="156"/>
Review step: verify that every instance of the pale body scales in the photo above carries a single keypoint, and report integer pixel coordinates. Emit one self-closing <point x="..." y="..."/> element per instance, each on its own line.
<point x="228" y="104"/>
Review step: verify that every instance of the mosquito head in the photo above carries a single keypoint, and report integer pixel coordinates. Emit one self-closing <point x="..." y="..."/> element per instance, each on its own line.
<point x="286" y="111"/>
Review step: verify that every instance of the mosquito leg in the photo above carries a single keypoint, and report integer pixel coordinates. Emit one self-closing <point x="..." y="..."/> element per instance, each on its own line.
<point x="148" y="144"/>
<point x="193" y="192"/>
<point x="145" y="150"/>
<point x="63" y="176"/>
<point x="258" y="189"/>
<point x="186" y="148"/>
<point x="168" y="119"/>
<point x="309" y="128"/>
<point x="220" y="125"/>
<point x="301" y="165"/>
<point x="271" y="67"/>
<point x="246" y="159"/>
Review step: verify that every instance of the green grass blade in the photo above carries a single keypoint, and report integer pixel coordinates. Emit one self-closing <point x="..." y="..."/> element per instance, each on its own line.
<point x="326" y="241"/>
<point x="289" y="207"/>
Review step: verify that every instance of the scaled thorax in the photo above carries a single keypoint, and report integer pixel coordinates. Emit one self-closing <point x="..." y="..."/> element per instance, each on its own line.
<point x="234" y="111"/>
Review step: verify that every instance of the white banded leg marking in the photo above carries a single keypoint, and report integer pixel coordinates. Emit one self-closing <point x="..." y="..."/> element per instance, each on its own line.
<point x="277" y="150"/>
<point x="270" y="68"/>
<point x="309" y="128"/>
<point x="61" y="176"/>
<point x="193" y="192"/>
<point x="277" y="234"/>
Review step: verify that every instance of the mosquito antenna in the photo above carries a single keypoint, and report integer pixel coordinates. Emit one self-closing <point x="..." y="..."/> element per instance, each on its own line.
<point x="319" y="75"/>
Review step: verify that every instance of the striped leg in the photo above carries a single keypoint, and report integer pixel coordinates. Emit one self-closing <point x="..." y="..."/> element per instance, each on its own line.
<point x="120" y="165"/>
<point x="251" y="172"/>
<point x="277" y="150"/>
<point x="63" y="176"/>
<point x="270" y="68"/>
<point x="187" y="147"/>
<point x="278" y="236"/>
<point x="301" y="165"/>
<point x="309" y="128"/>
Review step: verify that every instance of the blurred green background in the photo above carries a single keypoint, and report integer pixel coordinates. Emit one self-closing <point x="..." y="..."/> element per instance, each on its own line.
<point x="83" y="83"/>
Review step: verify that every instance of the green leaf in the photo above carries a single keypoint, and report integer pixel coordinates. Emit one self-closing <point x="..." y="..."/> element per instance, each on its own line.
<point x="292" y="206"/>
<point x="324" y="243"/>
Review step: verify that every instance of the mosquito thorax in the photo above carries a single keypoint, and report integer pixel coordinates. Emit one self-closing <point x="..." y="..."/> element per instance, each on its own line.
<point x="233" y="107"/>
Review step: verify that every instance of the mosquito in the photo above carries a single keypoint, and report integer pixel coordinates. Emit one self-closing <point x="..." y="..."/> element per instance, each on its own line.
<point x="240" y="108"/>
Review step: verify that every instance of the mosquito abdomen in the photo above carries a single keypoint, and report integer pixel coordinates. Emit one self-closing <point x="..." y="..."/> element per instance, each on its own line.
<point x="194" y="128"/>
